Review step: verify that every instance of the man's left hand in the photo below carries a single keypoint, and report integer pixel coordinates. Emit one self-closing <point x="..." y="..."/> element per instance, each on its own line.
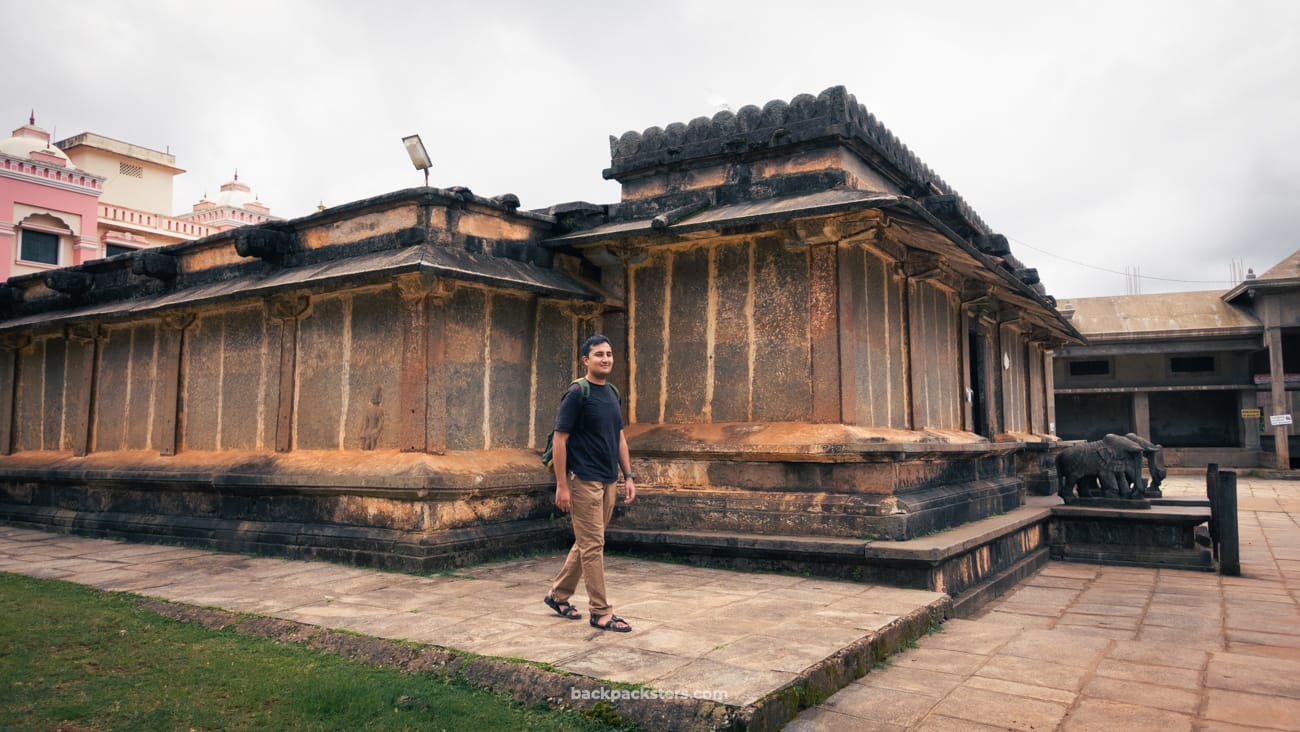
<point x="630" y="495"/>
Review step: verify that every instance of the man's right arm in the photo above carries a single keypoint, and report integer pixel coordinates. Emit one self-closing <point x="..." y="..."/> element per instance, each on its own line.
<point x="560" y="459"/>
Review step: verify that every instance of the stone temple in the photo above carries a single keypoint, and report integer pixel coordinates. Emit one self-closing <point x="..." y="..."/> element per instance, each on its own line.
<point x="823" y="353"/>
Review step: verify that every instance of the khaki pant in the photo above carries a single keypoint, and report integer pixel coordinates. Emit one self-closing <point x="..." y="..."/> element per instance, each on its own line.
<point x="591" y="507"/>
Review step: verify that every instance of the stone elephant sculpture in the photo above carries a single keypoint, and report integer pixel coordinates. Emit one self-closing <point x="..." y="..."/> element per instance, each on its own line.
<point x="1155" y="465"/>
<point x="1109" y="461"/>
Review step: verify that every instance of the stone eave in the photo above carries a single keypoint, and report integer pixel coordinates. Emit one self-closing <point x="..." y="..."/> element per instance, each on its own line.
<point x="378" y="267"/>
<point x="429" y="196"/>
<point x="731" y="216"/>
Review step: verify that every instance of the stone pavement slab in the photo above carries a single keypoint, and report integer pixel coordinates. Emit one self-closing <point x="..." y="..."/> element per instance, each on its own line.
<point x="728" y="636"/>
<point x="1087" y="647"/>
<point x="1072" y="647"/>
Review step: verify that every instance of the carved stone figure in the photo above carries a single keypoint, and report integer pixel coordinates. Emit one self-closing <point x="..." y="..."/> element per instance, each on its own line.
<point x="1155" y="466"/>
<point x="1109" y="461"/>
<point x="374" y="421"/>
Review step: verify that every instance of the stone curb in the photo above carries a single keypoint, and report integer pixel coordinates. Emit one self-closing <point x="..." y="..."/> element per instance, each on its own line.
<point x="529" y="684"/>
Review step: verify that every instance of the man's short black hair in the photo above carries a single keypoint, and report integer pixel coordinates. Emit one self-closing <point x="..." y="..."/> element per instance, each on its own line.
<point x="591" y="343"/>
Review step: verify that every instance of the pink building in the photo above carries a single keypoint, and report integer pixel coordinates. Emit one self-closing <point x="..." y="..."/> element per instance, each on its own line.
<point x="90" y="196"/>
<point x="48" y="206"/>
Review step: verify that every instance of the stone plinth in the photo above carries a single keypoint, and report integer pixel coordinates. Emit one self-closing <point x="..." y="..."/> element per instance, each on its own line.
<point x="387" y="509"/>
<point x="817" y="480"/>
<point x="1160" y="536"/>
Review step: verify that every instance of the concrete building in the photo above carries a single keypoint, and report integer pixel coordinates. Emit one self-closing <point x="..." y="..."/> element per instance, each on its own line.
<point x="1200" y="373"/>
<point x="818" y="340"/>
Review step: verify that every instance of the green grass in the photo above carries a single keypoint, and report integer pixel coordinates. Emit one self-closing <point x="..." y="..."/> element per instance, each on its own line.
<point x="92" y="659"/>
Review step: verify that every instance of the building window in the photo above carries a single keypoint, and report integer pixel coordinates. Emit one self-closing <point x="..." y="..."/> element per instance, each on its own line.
<point x="39" y="246"/>
<point x="1191" y="364"/>
<point x="132" y="171"/>
<point x="112" y="249"/>
<point x="1089" y="368"/>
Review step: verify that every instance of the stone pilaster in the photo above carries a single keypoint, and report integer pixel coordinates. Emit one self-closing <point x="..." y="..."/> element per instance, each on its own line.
<point x="423" y="378"/>
<point x="171" y="350"/>
<point x="290" y="310"/>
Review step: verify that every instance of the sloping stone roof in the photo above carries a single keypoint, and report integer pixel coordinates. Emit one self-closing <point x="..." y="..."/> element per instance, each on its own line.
<point x="833" y="113"/>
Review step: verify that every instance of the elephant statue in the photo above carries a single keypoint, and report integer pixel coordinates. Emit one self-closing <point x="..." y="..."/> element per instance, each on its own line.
<point x="1109" y="461"/>
<point x="1155" y="465"/>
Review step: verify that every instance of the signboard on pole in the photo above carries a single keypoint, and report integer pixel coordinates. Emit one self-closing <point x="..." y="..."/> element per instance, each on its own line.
<point x="1277" y="420"/>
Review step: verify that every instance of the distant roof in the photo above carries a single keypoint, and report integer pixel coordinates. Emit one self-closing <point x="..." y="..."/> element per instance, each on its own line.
<point x="30" y="139"/>
<point x="1287" y="268"/>
<point x="1172" y="315"/>
<point x="125" y="149"/>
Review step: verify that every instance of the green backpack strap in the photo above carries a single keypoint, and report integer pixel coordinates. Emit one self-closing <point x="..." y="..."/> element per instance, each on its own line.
<point x="584" y="388"/>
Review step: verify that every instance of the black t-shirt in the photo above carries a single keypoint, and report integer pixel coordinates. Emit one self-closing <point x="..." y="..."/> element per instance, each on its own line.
<point x="593" y="436"/>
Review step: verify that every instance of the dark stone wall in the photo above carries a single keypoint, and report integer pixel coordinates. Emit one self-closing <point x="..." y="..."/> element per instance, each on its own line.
<point x="937" y="383"/>
<point x="111" y="373"/>
<point x="465" y="312"/>
<point x="732" y="264"/>
<point x="142" y="382"/>
<point x="38" y="398"/>
<point x="510" y="353"/>
<point x="1037" y="389"/>
<point x="881" y="358"/>
<point x="759" y="291"/>
<point x="557" y="349"/>
<point x="781" y="385"/>
<point x="320" y="386"/>
<point x="1015" y="386"/>
<point x="374" y="365"/>
<point x="200" y="400"/>
<point x="649" y="330"/>
<point x="41" y="409"/>
<point x="688" y="360"/>
<point x="347" y="352"/>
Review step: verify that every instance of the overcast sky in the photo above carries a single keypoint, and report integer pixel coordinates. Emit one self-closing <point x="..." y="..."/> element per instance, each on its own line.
<point x="1100" y="137"/>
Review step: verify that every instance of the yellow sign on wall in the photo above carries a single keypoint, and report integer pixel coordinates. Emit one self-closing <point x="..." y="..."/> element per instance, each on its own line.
<point x="1251" y="414"/>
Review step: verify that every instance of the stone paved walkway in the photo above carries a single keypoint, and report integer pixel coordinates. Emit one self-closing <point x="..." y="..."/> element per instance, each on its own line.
<point x="1086" y="647"/>
<point x="706" y="633"/>
<point x="1074" y="647"/>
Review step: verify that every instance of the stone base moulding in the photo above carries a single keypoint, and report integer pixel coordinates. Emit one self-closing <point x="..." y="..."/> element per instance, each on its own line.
<point x="391" y="510"/>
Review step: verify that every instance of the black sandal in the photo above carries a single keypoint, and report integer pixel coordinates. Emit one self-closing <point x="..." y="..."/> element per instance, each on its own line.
<point x="609" y="624"/>
<point x="563" y="609"/>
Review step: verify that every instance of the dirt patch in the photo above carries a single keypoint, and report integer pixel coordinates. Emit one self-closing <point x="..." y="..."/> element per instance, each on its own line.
<point x="208" y="618"/>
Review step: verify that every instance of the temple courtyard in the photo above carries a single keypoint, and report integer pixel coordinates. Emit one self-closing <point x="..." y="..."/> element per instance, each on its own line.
<point x="1073" y="647"/>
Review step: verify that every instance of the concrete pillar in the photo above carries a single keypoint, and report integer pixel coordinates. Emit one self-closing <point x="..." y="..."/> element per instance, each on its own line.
<point x="1142" y="414"/>
<point x="1277" y="384"/>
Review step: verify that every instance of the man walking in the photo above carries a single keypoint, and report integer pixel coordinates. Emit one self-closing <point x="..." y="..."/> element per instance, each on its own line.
<point x="589" y="450"/>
